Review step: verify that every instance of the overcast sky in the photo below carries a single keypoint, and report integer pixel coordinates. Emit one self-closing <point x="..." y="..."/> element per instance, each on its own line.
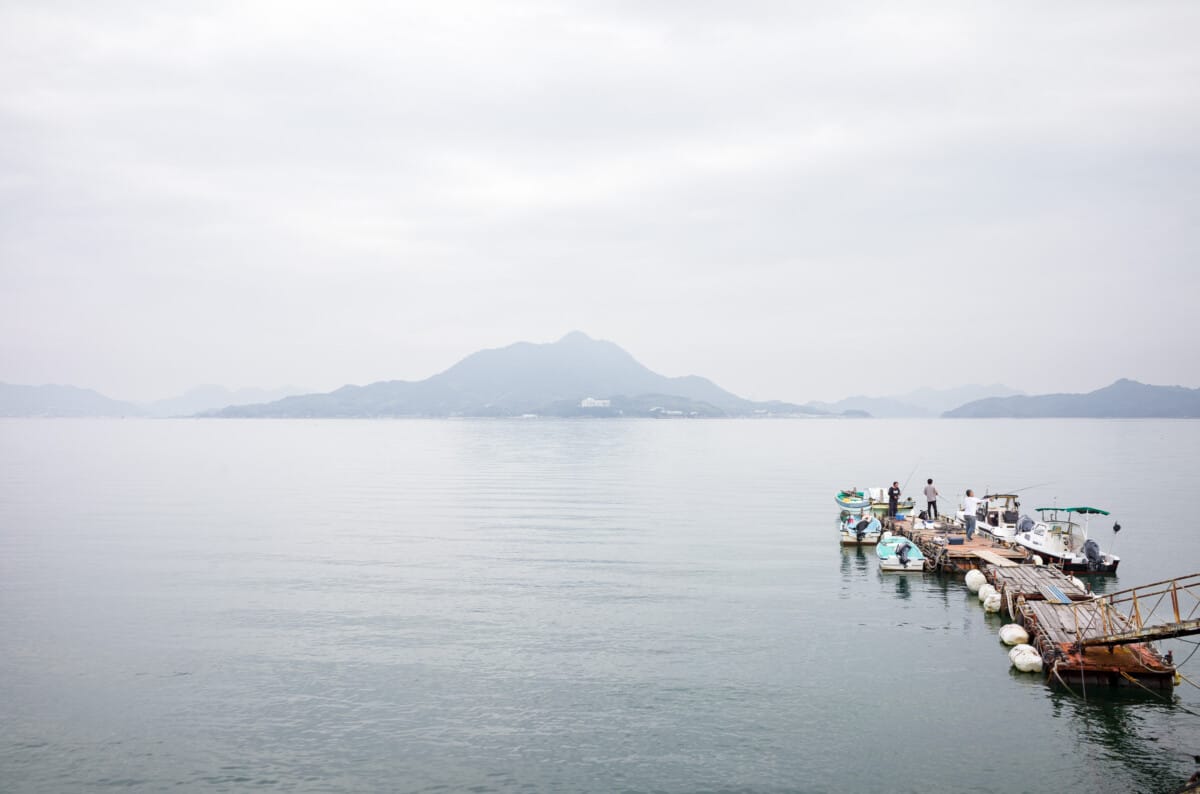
<point x="798" y="201"/>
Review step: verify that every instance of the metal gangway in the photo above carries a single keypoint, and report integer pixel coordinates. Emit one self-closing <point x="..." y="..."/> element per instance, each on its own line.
<point x="1157" y="611"/>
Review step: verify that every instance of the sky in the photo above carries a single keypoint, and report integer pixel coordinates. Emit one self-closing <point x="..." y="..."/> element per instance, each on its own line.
<point x="799" y="201"/>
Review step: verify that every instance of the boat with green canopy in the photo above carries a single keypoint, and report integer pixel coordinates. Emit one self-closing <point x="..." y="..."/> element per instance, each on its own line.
<point x="1060" y="537"/>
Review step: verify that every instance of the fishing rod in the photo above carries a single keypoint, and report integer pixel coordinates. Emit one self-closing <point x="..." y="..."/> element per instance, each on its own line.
<point x="1026" y="488"/>
<point x="910" y="474"/>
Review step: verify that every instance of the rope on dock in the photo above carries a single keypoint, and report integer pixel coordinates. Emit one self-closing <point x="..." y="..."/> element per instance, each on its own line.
<point x="1066" y="686"/>
<point x="1133" y="680"/>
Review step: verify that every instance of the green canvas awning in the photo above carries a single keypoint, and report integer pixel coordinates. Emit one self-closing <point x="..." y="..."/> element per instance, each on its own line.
<point x="1087" y="511"/>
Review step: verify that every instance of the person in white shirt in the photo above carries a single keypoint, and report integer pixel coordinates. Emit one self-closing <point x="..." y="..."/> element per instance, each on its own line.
<point x="970" y="505"/>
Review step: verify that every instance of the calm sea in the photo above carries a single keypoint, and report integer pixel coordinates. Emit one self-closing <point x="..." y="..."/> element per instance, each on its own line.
<point x="550" y="606"/>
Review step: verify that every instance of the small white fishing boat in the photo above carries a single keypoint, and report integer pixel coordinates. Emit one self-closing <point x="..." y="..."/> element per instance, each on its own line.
<point x="1060" y="537"/>
<point x="861" y="530"/>
<point x="898" y="553"/>
<point x="997" y="516"/>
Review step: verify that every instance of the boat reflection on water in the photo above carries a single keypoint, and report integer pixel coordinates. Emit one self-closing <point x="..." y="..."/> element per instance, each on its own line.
<point x="1117" y="722"/>
<point x="854" y="559"/>
<point x="1101" y="583"/>
<point x="902" y="587"/>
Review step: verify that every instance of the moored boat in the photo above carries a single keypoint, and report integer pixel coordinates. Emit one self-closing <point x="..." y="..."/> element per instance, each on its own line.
<point x="861" y="530"/>
<point x="898" y="553"/>
<point x="1060" y="538"/>
<point x="997" y="515"/>
<point x="853" y="499"/>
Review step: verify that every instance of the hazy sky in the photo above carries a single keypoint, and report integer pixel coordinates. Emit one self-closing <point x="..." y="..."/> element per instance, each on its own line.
<point x="799" y="201"/>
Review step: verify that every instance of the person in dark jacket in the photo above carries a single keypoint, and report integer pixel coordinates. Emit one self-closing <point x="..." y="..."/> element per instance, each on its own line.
<point x="893" y="499"/>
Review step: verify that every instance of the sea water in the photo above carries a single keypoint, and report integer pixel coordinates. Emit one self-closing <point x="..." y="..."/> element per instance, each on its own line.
<point x="551" y="605"/>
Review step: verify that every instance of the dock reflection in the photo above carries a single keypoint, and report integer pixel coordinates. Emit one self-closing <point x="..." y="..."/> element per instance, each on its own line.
<point x="854" y="560"/>
<point x="1117" y="722"/>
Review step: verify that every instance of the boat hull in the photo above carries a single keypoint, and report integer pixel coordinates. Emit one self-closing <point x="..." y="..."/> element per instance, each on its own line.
<point x="1074" y="565"/>
<point x="894" y="566"/>
<point x="889" y="560"/>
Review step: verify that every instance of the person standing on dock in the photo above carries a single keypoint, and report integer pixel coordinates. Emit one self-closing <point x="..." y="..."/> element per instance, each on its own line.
<point x="893" y="499"/>
<point x="970" y="505"/>
<point x="931" y="495"/>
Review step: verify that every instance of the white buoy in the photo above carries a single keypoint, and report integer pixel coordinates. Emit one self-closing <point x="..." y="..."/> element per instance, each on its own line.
<point x="1075" y="580"/>
<point x="985" y="590"/>
<point x="1028" y="661"/>
<point x="1020" y="649"/>
<point x="1037" y="560"/>
<point x="1012" y="634"/>
<point x="992" y="603"/>
<point x="975" y="578"/>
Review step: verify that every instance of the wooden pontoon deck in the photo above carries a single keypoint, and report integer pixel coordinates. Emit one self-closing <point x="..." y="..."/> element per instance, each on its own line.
<point x="944" y="556"/>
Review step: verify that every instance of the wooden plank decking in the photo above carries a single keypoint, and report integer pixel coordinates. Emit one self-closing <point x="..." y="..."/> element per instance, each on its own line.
<point x="989" y="556"/>
<point x="942" y="555"/>
<point x="1058" y="629"/>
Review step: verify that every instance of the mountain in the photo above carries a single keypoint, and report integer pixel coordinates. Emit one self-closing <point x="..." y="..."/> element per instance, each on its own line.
<point x="1125" y="398"/>
<point x="211" y="398"/>
<point x="527" y="378"/>
<point x="54" y="400"/>
<point x="918" y="403"/>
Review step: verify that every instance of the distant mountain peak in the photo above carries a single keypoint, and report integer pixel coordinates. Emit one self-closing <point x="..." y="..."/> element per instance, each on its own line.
<point x="1123" y="398"/>
<point x="553" y="378"/>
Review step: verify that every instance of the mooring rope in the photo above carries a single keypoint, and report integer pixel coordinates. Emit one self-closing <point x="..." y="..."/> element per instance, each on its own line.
<point x="1133" y="680"/>
<point x="1066" y="686"/>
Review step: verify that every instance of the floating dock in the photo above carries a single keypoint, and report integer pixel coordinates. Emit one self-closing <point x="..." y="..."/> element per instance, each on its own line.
<point x="1089" y="641"/>
<point x="947" y="549"/>
<point x="1059" y="632"/>
<point x="1085" y="640"/>
<point x="1020" y="584"/>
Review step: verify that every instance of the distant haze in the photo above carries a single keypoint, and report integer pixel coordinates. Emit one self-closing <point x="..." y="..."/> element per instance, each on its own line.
<point x="797" y="202"/>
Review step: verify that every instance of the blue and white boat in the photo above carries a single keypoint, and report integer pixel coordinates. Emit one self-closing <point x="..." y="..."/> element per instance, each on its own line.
<point x="853" y="499"/>
<point x="863" y="530"/>
<point x="898" y="553"/>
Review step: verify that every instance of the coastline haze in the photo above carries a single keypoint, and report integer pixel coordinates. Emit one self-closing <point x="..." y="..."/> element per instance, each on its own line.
<point x="779" y="199"/>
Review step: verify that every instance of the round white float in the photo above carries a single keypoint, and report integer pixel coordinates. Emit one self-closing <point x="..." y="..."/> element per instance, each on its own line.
<point x="975" y="579"/>
<point x="992" y="603"/>
<point x="1020" y="649"/>
<point x="1028" y="661"/>
<point x="1012" y="634"/>
<point x="985" y="590"/>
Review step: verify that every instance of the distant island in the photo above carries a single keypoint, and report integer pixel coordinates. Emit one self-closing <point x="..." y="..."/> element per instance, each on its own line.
<point x="1123" y="399"/>
<point x="71" y="401"/>
<point x="924" y="402"/>
<point x="56" y="400"/>
<point x="578" y="376"/>
<point x="575" y="376"/>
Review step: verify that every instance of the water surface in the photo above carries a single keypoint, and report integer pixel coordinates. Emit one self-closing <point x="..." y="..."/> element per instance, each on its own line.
<point x="548" y="606"/>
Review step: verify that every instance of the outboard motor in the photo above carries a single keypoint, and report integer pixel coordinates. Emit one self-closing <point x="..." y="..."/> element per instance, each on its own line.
<point x="860" y="528"/>
<point x="1091" y="550"/>
<point x="902" y="553"/>
<point x="1025" y="525"/>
